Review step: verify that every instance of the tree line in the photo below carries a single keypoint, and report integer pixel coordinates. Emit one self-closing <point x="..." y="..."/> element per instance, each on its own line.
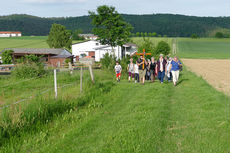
<point x="161" y="24"/>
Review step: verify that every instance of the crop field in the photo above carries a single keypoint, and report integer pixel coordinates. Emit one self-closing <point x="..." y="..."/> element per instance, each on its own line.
<point x="206" y="48"/>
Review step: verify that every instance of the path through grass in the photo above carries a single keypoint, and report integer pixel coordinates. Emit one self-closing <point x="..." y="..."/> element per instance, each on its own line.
<point x="192" y="117"/>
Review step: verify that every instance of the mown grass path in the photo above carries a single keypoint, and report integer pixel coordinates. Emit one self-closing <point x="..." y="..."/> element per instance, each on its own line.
<point x="192" y="117"/>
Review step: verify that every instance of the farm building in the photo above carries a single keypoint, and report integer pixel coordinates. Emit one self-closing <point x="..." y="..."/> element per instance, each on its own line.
<point x="52" y="57"/>
<point x="88" y="36"/>
<point x="97" y="51"/>
<point x="10" y="34"/>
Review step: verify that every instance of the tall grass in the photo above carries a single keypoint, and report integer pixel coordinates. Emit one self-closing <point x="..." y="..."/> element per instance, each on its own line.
<point x="19" y="120"/>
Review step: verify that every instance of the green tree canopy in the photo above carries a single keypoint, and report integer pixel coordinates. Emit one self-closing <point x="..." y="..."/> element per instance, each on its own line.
<point x="219" y="35"/>
<point x="162" y="48"/>
<point x="76" y="34"/>
<point x="110" y="26"/>
<point x="149" y="47"/>
<point x="59" y="37"/>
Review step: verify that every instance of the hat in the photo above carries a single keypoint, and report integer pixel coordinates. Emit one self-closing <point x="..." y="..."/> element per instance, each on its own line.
<point x="161" y="55"/>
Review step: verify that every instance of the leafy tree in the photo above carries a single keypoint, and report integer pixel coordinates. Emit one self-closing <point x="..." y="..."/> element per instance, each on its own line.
<point x="76" y="34"/>
<point x="194" y="36"/>
<point x="146" y="34"/>
<point x="138" y="34"/>
<point x="150" y="34"/>
<point x="149" y="47"/>
<point x="219" y="35"/>
<point x="7" y="57"/>
<point x="154" y="34"/>
<point x="162" y="48"/>
<point x="110" y="26"/>
<point x="142" y="34"/>
<point x="59" y="37"/>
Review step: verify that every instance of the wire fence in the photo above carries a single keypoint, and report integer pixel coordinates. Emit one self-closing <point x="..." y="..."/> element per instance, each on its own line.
<point x="43" y="92"/>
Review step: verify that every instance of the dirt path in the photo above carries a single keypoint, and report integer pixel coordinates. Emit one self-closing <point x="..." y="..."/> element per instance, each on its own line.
<point x="216" y="72"/>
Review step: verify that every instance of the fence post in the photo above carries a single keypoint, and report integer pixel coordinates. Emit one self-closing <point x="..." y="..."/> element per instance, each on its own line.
<point x="55" y="83"/>
<point x="91" y="73"/>
<point x="81" y="77"/>
<point x="70" y="68"/>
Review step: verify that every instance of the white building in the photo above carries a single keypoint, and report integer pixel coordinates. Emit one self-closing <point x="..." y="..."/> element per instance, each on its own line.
<point x="96" y="50"/>
<point x="10" y="34"/>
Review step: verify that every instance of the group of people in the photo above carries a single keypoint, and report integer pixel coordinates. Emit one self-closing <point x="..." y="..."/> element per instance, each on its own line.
<point x="150" y="69"/>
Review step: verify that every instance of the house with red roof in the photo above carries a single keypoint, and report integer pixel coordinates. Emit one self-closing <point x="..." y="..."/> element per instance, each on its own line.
<point x="10" y="34"/>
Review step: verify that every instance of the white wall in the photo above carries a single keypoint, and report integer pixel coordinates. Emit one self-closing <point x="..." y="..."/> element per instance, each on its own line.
<point x="10" y="35"/>
<point x="84" y="47"/>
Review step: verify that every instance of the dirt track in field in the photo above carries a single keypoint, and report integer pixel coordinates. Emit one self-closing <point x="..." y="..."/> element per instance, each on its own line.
<point x="215" y="71"/>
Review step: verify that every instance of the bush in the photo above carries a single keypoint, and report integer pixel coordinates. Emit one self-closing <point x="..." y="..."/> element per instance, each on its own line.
<point x="108" y="61"/>
<point x="28" y="70"/>
<point x="162" y="48"/>
<point x="7" y="57"/>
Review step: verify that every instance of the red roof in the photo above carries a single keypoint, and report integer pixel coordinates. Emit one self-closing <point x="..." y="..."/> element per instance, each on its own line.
<point x="10" y="32"/>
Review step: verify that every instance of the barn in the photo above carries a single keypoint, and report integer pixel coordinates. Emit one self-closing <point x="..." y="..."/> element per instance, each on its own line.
<point x="10" y="34"/>
<point x="52" y="57"/>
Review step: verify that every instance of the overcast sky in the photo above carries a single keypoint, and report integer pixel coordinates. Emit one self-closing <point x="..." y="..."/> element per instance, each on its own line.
<point x="66" y="8"/>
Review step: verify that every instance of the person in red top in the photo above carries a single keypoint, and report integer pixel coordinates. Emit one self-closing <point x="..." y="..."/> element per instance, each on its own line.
<point x="118" y="70"/>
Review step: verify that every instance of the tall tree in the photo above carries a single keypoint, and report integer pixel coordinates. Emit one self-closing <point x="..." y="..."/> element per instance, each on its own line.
<point x="59" y="37"/>
<point x="110" y="26"/>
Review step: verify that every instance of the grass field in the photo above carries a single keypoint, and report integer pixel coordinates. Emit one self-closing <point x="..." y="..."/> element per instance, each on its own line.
<point x="203" y="48"/>
<point x="25" y="42"/>
<point x="192" y="117"/>
<point x="155" y="40"/>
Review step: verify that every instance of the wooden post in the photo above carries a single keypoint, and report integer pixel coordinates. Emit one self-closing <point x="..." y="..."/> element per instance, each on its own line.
<point x="91" y="73"/>
<point x="55" y="83"/>
<point x="81" y="77"/>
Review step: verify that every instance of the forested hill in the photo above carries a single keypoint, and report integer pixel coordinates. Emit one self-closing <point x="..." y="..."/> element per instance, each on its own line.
<point x="163" y="24"/>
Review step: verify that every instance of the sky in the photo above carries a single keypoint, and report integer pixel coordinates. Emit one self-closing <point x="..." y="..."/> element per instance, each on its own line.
<point x="67" y="8"/>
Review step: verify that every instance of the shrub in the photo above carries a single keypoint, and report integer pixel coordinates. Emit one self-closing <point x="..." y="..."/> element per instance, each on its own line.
<point x="7" y="57"/>
<point x="28" y="70"/>
<point x="108" y="61"/>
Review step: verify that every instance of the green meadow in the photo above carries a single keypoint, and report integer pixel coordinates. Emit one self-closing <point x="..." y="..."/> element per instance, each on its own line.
<point x="123" y="117"/>
<point x="116" y="117"/>
<point x="25" y="42"/>
<point x="203" y="48"/>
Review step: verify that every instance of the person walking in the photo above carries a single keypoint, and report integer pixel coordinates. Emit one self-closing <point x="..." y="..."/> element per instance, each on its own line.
<point x="142" y="69"/>
<point x="152" y="69"/>
<point x="161" y="65"/>
<point x="118" y="70"/>
<point x="130" y="69"/>
<point x="168" y="72"/>
<point x="148" y="74"/>
<point x="175" y="68"/>
<point x="136" y="71"/>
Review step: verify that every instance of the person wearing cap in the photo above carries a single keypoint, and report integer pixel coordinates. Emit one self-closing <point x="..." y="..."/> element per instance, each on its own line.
<point x="175" y="68"/>
<point x="161" y="66"/>
<point x="142" y="69"/>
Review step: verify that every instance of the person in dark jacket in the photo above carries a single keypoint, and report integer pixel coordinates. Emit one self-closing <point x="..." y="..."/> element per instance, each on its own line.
<point x="161" y="66"/>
